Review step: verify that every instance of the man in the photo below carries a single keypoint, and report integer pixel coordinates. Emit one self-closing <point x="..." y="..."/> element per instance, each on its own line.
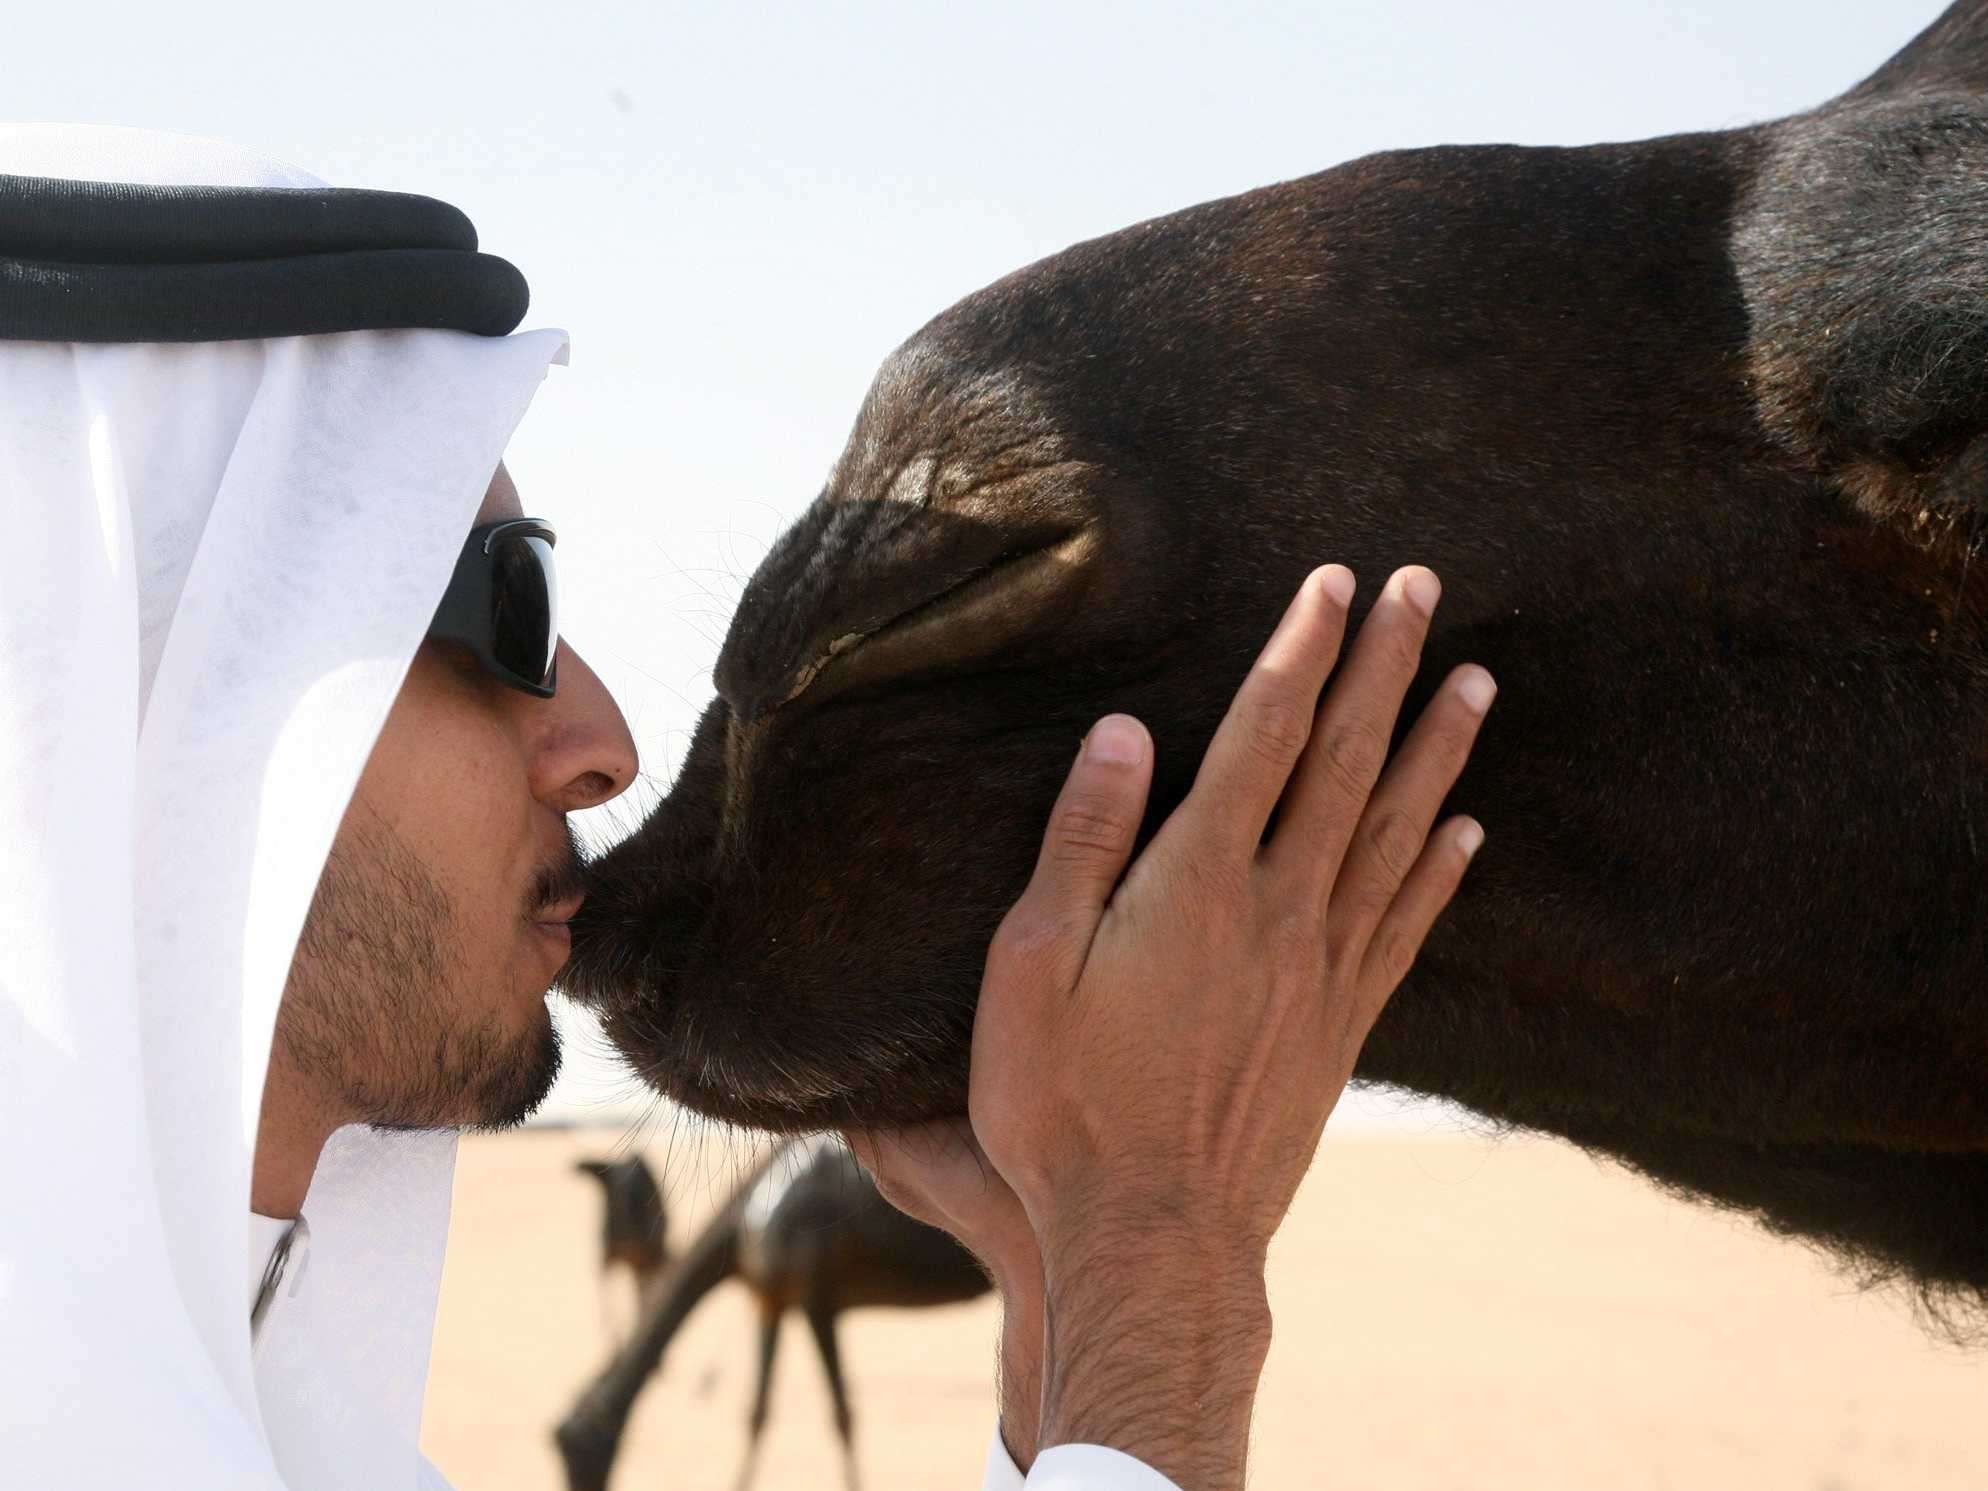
<point x="287" y="744"/>
<point x="232" y="505"/>
<point x="416" y="998"/>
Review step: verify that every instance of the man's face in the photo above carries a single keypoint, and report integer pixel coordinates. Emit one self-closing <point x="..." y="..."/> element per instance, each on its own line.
<point x="417" y="994"/>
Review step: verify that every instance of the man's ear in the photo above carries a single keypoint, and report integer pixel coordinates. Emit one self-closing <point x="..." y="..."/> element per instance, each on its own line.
<point x="1861" y="248"/>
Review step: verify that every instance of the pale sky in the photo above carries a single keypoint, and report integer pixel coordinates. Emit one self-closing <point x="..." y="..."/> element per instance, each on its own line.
<point x="737" y="211"/>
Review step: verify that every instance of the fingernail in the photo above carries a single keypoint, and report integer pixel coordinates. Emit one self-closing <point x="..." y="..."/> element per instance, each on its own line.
<point x="1422" y="590"/>
<point x="1470" y="838"/>
<point x="1338" y="582"/>
<point x="1115" y="740"/>
<point x="1477" y="689"/>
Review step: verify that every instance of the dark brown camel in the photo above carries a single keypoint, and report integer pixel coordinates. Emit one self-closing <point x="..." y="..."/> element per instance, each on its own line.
<point x="806" y="1231"/>
<point x="635" y="1224"/>
<point x="1695" y="431"/>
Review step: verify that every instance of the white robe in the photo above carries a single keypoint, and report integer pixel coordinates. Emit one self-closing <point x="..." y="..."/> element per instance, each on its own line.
<point x="1072" y="1467"/>
<point x="220" y="560"/>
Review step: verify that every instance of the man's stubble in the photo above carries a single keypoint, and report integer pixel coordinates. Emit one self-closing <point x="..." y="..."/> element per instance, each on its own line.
<point x="373" y="1013"/>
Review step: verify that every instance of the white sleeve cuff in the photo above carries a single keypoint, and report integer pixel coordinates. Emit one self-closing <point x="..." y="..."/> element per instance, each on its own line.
<point x="1071" y="1467"/>
<point x="1091" y="1467"/>
<point x="1001" y="1472"/>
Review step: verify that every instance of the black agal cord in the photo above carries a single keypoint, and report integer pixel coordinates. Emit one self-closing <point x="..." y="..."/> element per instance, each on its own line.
<point x="84" y="261"/>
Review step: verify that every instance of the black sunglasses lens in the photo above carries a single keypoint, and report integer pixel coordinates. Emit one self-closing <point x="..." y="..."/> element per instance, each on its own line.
<point x="524" y="606"/>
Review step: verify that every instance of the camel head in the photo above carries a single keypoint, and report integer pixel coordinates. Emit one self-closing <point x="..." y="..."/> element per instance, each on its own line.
<point x="1692" y="431"/>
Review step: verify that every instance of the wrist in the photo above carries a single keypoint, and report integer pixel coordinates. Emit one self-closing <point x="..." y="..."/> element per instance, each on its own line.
<point x="1196" y="1293"/>
<point x="1153" y="1345"/>
<point x="1020" y="1372"/>
<point x="1164" y="1236"/>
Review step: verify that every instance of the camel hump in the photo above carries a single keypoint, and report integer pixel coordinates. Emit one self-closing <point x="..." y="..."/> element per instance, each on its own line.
<point x="1951" y="54"/>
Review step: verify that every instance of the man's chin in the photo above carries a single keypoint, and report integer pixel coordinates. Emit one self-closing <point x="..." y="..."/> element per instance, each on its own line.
<point x="477" y="1083"/>
<point x="509" y="1096"/>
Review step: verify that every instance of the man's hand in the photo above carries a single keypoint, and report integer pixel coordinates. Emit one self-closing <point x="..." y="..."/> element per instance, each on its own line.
<point x="938" y="1173"/>
<point x="1154" y="1060"/>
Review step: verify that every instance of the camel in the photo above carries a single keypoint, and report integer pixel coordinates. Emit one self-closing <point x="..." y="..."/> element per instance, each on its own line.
<point x="808" y="1231"/>
<point x="1694" y="430"/>
<point x="635" y="1226"/>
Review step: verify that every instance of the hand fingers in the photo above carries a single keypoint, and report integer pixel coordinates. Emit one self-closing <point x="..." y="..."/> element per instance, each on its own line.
<point x="1426" y="891"/>
<point x="1262" y="736"/>
<point x="876" y="1153"/>
<point x="907" y="1166"/>
<point x="1349" y="742"/>
<point x="864" y="1143"/>
<point x="1389" y="839"/>
<point x="1091" y="832"/>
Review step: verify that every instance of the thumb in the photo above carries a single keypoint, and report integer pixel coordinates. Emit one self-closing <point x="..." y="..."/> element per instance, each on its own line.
<point x="864" y="1144"/>
<point x="882" y="1158"/>
<point x="1094" y="824"/>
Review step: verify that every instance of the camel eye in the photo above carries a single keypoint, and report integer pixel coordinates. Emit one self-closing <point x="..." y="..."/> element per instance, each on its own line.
<point x="866" y="593"/>
<point x="1015" y="593"/>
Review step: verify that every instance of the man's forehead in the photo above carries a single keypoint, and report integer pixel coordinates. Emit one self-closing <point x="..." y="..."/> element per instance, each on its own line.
<point x="501" y="500"/>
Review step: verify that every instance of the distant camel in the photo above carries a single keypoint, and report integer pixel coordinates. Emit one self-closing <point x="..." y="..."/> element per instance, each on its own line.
<point x="1694" y="430"/>
<point x="806" y="1231"/>
<point x="635" y="1225"/>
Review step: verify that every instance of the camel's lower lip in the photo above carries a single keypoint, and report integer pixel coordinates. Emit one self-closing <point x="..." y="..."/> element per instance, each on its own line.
<point x="972" y="620"/>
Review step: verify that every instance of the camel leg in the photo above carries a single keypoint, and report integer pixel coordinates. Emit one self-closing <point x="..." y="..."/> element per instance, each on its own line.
<point x="821" y="1319"/>
<point x="769" y="1341"/>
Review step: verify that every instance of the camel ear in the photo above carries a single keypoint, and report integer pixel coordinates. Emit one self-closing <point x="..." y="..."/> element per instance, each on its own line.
<point x="1858" y="248"/>
<point x="1949" y="55"/>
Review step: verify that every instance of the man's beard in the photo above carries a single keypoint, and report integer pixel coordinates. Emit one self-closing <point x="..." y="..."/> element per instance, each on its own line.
<point x="374" y="1015"/>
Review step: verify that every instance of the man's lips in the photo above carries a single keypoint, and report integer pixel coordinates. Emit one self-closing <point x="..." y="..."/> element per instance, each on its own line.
<point x="551" y="924"/>
<point x="562" y="912"/>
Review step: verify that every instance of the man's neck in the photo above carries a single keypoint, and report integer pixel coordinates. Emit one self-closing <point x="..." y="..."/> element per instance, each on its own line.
<point x="290" y="1135"/>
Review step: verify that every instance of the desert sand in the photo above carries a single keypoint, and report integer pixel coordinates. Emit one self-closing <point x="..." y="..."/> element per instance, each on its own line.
<point x="1451" y="1312"/>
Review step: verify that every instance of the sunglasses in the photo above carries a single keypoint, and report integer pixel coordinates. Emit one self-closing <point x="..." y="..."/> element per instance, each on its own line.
<point x="503" y="604"/>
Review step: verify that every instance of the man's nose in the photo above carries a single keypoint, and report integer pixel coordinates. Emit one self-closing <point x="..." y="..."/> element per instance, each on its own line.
<point x="581" y="752"/>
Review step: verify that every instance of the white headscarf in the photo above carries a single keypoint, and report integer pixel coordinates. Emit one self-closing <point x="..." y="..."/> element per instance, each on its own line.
<point x="216" y="562"/>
